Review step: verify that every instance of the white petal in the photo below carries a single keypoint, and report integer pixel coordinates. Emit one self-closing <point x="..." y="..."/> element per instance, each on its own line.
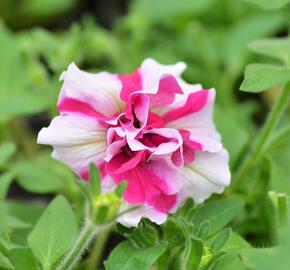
<point x="151" y="71"/>
<point x="100" y="90"/>
<point x="209" y="173"/>
<point x="132" y="218"/>
<point x="77" y="141"/>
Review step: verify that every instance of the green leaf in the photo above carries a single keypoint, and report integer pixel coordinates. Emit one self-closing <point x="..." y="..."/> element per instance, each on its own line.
<point x="235" y="243"/>
<point x="54" y="232"/>
<point x="95" y="179"/>
<point x="234" y="51"/>
<point x="5" y="242"/>
<point x="269" y="4"/>
<point x="266" y="258"/>
<point x="279" y="179"/>
<point x="121" y="188"/>
<point x="228" y="262"/>
<point x="5" y="263"/>
<point x="5" y="181"/>
<point x="165" y="9"/>
<point x="7" y="149"/>
<point x="126" y="257"/>
<point x="40" y="176"/>
<point x="2" y="217"/>
<point x="22" y="258"/>
<point x="230" y="127"/>
<point x="191" y="255"/>
<point x="218" y="213"/>
<point x="277" y="48"/>
<point x="259" y="77"/>
<point x="220" y="239"/>
<point x="17" y="95"/>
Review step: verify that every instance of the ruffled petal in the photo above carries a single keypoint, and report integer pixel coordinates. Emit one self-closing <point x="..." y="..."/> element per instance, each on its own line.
<point x="198" y="120"/>
<point x="146" y="185"/>
<point x="95" y="93"/>
<point x="77" y="141"/>
<point x="173" y="142"/>
<point x="209" y="173"/>
<point x="151" y="72"/>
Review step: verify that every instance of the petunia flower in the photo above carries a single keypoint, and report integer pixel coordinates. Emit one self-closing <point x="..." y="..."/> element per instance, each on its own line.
<point x="150" y="128"/>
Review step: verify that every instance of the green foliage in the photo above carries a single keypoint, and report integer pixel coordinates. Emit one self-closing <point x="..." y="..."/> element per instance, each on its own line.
<point x="218" y="213"/>
<point x="50" y="246"/>
<point x="217" y="39"/>
<point x="22" y="258"/>
<point x="259" y="77"/>
<point x="125" y="257"/>
<point x="269" y="4"/>
<point x="277" y="48"/>
<point x="7" y="149"/>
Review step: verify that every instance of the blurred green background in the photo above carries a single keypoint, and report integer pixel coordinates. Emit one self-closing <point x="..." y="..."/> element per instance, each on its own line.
<point x="39" y="38"/>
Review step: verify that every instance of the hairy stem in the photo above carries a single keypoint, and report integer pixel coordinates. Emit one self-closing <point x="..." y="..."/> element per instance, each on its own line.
<point x="98" y="249"/>
<point x="262" y="140"/>
<point x="87" y="234"/>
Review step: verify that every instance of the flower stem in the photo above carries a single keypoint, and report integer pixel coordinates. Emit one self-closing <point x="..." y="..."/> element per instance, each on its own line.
<point x="262" y="140"/>
<point x="98" y="249"/>
<point x="87" y="234"/>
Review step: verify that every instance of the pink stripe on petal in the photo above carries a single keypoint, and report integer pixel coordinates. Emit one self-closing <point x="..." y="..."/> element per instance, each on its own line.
<point x="71" y="105"/>
<point x="163" y="202"/>
<point x="168" y="87"/>
<point x="130" y="83"/>
<point x="144" y="186"/>
<point x="194" y="103"/>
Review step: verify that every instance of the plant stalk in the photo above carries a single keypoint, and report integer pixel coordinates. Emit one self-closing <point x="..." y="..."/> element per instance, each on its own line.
<point x="262" y="140"/>
<point x="87" y="234"/>
<point x="98" y="249"/>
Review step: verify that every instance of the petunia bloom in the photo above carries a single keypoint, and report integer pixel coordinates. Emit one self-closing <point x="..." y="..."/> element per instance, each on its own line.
<point x="150" y="128"/>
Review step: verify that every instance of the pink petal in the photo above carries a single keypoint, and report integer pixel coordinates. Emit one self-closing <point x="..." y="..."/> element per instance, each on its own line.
<point x="144" y="186"/>
<point x="130" y="84"/>
<point x="165" y="95"/>
<point x="194" y="103"/>
<point x="171" y="144"/>
<point x="71" y="105"/>
<point x="200" y="125"/>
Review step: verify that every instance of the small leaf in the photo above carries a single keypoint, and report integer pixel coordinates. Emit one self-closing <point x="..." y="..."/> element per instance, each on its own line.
<point x="204" y="230"/>
<point x="259" y="77"/>
<point x="5" y="263"/>
<point x="269" y="4"/>
<point x="48" y="240"/>
<point x="121" y="188"/>
<point x="220" y="239"/>
<point x="5" y="243"/>
<point x="218" y="213"/>
<point x="7" y="149"/>
<point x="126" y="257"/>
<point x="95" y="179"/>
<point x="275" y="47"/>
<point x="190" y="257"/>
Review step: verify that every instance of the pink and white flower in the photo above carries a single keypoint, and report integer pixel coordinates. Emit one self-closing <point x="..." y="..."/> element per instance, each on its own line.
<point x="150" y="128"/>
